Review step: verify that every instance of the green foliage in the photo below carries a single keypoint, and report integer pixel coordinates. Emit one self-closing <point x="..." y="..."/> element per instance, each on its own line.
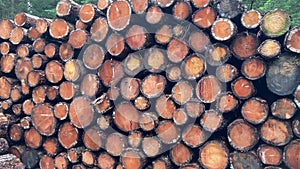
<point x="291" y="6"/>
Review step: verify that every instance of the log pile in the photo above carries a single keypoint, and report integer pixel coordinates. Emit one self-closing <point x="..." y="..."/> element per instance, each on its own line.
<point x="156" y="84"/>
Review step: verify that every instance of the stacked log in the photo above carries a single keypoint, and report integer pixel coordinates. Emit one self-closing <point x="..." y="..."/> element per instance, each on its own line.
<point x="133" y="84"/>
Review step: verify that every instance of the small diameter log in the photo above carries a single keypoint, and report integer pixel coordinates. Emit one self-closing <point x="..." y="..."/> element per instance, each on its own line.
<point x="73" y="70"/>
<point x="226" y="73"/>
<point x="16" y="132"/>
<point x="115" y="144"/>
<point x="99" y="29"/>
<point x="163" y="35"/>
<point x="208" y="89"/>
<point x="104" y="160"/>
<point x="93" y="139"/>
<point x="88" y="12"/>
<point x="245" y="45"/>
<point x="80" y="25"/>
<point x="6" y="104"/>
<point x="27" y="106"/>
<point x="194" y="108"/>
<point x="180" y="117"/>
<point x="291" y="40"/>
<point x="38" y="60"/>
<point x="177" y="50"/>
<point x="16" y="109"/>
<point x="223" y="29"/>
<point x="204" y="17"/>
<point x="59" y="29"/>
<point x="42" y="25"/>
<point x="193" y="66"/>
<point x="67" y="135"/>
<point x="241" y="135"/>
<point x="93" y="56"/>
<point x="88" y="158"/>
<point x="51" y="146"/>
<point x="35" y="78"/>
<point x="291" y="154"/>
<point x="16" y="93"/>
<point x="66" y="51"/>
<point x="18" y="35"/>
<point x="54" y="71"/>
<point x="137" y="37"/>
<point x="148" y="121"/>
<point x="61" y="110"/>
<point x="180" y="154"/>
<point x="7" y="62"/>
<point x="32" y="138"/>
<point x="43" y="119"/>
<point x="39" y="45"/>
<point x="154" y="15"/>
<point x="283" y="108"/>
<point x="182" y="10"/>
<point x="74" y="154"/>
<point x="269" y="48"/>
<point x="25" y="88"/>
<point x="90" y="85"/>
<point x="10" y="161"/>
<point x="161" y="163"/>
<point x="174" y="73"/>
<point x="113" y="93"/>
<point x="247" y="160"/>
<point x="251" y="19"/>
<point x="6" y="87"/>
<point x="126" y="117"/>
<point x="30" y="158"/>
<point x="46" y="162"/>
<point x="132" y="158"/>
<point x="25" y="20"/>
<point x="24" y="50"/>
<point x="6" y="47"/>
<point x="78" y="38"/>
<point x="194" y="136"/>
<point x="25" y="122"/>
<point x="61" y="161"/>
<point x="51" y="50"/>
<point x="129" y="88"/>
<point x="115" y="44"/>
<point x="135" y="139"/>
<point x="269" y="155"/>
<point x="242" y="88"/>
<point x="228" y="8"/>
<point x="275" y="23"/>
<point x="133" y="64"/>
<point x="118" y="15"/>
<point x="226" y="102"/>
<point x="66" y="9"/>
<point x="255" y="110"/>
<point x="52" y="92"/>
<point x="296" y="127"/>
<point x="103" y="4"/>
<point x="182" y="92"/>
<point x="139" y="6"/>
<point x="276" y="132"/>
<point x="199" y="41"/>
<point x="253" y="68"/>
<point x="22" y="67"/>
<point x="67" y="90"/>
<point x="214" y="154"/>
<point x="33" y="34"/>
<point x="111" y="72"/>
<point x="211" y="120"/>
<point x="142" y="103"/>
<point x="155" y="60"/>
<point x="165" y="107"/>
<point x="153" y="85"/>
<point x="167" y="132"/>
<point x="6" y="26"/>
<point x="39" y="94"/>
<point x="151" y="146"/>
<point x="102" y="104"/>
<point x="217" y="54"/>
<point x="81" y="112"/>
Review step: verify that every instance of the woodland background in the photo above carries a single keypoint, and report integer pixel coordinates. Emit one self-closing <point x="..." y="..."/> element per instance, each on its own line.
<point x="46" y="8"/>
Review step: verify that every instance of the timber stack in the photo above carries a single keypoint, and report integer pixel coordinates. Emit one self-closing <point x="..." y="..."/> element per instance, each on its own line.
<point x="156" y="84"/>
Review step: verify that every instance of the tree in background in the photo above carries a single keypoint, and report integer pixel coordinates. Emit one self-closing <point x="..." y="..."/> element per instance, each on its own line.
<point x="46" y="8"/>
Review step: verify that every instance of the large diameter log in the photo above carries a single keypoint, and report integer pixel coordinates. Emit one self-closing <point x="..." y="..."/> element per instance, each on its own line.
<point x="67" y="135"/>
<point x="60" y="28"/>
<point x="81" y="112"/>
<point x="126" y="117"/>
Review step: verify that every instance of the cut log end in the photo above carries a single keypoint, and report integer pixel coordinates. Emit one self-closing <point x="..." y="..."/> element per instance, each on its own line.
<point x="269" y="48"/>
<point x="214" y="150"/>
<point x="118" y="15"/>
<point x="253" y="68"/>
<point x="251" y="19"/>
<point x="255" y="110"/>
<point x="223" y="29"/>
<point x="208" y="89"/>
